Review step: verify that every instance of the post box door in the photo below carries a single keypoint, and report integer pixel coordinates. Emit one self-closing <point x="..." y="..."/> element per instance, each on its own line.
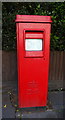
<point x="33" y="40"/>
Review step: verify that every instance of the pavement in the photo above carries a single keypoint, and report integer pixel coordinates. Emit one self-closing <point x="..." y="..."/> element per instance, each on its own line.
<point x="54" y="109"/>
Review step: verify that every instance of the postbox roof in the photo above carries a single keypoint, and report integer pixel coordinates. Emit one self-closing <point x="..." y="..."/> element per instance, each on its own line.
<point x="32" y="18"/>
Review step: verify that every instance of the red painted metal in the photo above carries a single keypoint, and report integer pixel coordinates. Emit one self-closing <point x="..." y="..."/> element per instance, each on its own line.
<point x="33" y="34"/>
<point x="33" y="66"/>
<point x="33" y="18"/>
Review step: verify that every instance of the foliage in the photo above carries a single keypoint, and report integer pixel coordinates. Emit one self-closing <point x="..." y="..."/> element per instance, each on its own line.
<point x="54" y="9"/>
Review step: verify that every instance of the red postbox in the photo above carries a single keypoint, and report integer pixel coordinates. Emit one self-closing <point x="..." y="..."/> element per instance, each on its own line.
<point x="33" y="47"/>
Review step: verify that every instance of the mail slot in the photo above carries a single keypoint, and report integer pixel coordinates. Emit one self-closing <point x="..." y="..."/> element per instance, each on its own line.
<point x="33" y="49"/>
<point x="33" y="40"/>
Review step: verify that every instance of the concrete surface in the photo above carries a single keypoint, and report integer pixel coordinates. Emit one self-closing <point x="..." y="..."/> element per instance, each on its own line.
<point x="11" y="110"/>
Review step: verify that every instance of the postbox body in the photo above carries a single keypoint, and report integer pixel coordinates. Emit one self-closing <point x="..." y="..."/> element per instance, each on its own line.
<point x="33" y="48"/>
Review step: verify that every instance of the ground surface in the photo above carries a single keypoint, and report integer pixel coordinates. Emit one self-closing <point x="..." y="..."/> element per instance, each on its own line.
<point x="54" y="109"/>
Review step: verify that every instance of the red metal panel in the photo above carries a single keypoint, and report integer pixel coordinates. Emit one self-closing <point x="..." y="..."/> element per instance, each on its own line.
<point x="34" y="53"/>
<point x="33" y="18"/>
<point x="34" y="34"/>
<point x="32" y="71"/>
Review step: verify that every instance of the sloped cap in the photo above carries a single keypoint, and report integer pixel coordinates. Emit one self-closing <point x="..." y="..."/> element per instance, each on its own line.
<point x="33" y="18"/>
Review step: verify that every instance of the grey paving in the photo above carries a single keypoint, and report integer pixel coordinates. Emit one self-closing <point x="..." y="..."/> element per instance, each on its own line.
<point x="40" y="114"/>
<point x="7" y="110"/>
<point x="56" y="99"/>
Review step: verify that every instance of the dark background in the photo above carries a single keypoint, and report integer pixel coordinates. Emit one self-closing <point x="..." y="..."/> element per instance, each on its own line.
<point x="54" y="9"/>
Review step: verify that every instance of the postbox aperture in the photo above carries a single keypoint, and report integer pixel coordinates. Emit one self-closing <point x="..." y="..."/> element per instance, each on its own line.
<point x="34" y="40"/>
